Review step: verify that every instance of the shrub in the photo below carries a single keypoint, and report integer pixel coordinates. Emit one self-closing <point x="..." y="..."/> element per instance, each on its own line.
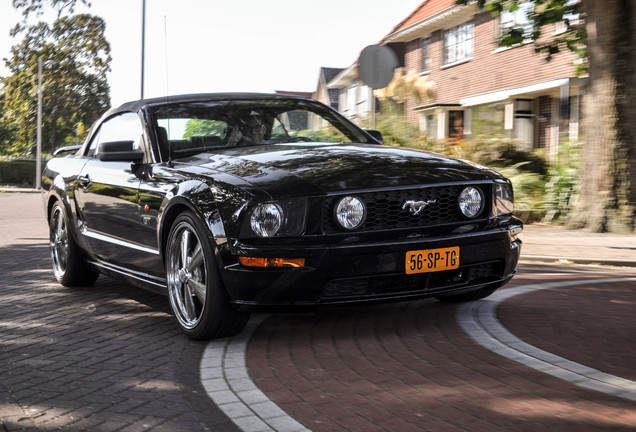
<point x="396" y="129"/>
<point x="527" y="170"/>
<point x="563" y="177"/>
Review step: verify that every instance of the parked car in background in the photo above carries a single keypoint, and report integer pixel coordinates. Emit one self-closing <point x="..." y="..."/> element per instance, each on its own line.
<point x="233" y="202"/>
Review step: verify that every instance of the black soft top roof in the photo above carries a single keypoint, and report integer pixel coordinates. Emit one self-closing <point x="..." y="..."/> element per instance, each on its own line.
<point x="135" y="106"/>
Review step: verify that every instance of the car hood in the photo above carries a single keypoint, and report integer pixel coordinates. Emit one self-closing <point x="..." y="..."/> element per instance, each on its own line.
<point x="317" y="168"/>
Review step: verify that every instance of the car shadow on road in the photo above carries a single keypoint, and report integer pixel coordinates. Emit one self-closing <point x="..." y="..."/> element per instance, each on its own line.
<point x="89" y="355"/>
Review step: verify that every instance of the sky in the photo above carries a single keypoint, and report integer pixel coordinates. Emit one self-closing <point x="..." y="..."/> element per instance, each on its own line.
<point x="197" y="46"/>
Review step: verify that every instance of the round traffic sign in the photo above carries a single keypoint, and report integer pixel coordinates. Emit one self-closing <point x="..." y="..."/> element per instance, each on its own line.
<point x="376" y="66"/>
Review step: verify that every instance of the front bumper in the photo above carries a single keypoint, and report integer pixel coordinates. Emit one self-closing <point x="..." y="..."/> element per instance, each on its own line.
<point x="369" y="271"/>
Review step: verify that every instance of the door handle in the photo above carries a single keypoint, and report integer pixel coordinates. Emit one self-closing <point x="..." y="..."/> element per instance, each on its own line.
<point x="84" y="181"/>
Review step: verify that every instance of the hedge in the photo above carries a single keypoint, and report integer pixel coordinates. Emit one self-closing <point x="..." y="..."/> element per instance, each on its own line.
<point x="18" y="172"/>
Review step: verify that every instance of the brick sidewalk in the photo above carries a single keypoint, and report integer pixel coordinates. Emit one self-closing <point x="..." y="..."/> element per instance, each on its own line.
<point x="552" y="243"/>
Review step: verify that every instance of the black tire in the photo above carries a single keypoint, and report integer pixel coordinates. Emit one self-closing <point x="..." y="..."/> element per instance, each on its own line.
<point x="68" y="262"/>
<point x="468" y="296"/>
<point x="198" y="299"/>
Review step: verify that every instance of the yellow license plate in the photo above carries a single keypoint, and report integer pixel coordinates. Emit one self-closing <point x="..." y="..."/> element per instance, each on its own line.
<point x="432" y="260"/>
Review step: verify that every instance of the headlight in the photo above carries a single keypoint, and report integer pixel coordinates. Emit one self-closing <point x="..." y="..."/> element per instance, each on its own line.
<point x="350" y="212"/>
<point x="504" y="199"/>
<point x="471" y="202"/>
<point x="281" y="218"/>
<point x="266" y="219"/>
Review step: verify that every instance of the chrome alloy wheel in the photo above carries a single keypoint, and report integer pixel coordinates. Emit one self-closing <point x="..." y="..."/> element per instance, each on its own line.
<point x="59" y="242"/>
<point x="186" y="275"/>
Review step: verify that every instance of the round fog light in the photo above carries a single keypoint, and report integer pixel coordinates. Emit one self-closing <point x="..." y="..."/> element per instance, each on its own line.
<point x="470" y="202"/>
<point x="350" y="212"/>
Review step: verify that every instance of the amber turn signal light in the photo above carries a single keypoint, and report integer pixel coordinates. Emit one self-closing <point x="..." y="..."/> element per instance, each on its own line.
<point x="271" y="262"/>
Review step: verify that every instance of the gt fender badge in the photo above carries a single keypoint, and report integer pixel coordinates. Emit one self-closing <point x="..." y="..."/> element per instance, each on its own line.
<point x="415" y="207"/>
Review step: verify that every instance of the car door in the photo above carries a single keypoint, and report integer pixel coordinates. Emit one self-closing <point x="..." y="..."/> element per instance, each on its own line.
<point x="108" y="197"/>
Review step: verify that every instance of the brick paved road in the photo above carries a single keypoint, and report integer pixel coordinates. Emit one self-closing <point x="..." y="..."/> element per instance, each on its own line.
<point x="411" y="367"/>
<point x="108" y="357"/>
<point x="101" y="358"/>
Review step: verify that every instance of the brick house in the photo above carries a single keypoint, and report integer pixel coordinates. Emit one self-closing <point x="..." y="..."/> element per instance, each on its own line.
<point x="480" y="88"/>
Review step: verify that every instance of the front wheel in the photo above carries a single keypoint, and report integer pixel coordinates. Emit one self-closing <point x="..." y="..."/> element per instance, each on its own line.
<point x="197" y="296"/>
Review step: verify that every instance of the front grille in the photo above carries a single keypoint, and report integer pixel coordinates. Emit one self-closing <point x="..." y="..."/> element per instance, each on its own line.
<point x="385" y="208"/>
<point x="379" y="286"/>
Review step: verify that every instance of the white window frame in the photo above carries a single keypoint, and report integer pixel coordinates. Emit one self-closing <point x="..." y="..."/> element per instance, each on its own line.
<point x="459" y="44"/>
<point x="425" y="49"/>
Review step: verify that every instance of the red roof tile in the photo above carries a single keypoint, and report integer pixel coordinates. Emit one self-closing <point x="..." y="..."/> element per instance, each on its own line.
<point x="427" y="9"/>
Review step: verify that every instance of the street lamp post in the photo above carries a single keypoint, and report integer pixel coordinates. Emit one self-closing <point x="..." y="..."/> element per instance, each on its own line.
<point x="143" y="44"/>
<point x="38" y="153"/>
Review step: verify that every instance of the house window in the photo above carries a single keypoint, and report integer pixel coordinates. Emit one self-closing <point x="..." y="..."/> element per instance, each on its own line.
<point x="458" y="44"/>
<point x="517" y="19"/>
<point x="426" y="56"/>
<point x="430" y="126"/>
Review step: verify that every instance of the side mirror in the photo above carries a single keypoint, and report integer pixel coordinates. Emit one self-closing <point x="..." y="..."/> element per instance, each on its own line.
<point x="376" y="135"/>
<point x="119" y="151"/>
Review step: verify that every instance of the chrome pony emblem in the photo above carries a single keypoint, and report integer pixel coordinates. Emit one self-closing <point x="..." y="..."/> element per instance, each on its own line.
<point x="416" y="207"/>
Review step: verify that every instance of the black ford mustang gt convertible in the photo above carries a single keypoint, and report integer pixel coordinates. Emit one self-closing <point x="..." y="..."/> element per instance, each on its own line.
<point x="232" y="202"/>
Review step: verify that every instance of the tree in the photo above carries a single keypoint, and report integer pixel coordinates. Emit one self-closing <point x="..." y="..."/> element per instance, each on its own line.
<point x="606" y="39"/>
<point x="35" y="7"/>
<point x="7" y="131"/>
<point x="75" y="85"/>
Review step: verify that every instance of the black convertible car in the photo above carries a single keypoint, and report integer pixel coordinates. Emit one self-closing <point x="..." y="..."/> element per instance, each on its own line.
<point x="231" y="202"/>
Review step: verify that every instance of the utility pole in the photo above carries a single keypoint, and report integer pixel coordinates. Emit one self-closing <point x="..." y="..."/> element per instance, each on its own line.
<point x="143" y="44"/>
<point x="38" y="153"/>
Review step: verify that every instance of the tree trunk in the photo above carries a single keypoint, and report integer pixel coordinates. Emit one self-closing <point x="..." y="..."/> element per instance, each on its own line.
<point x="607" y="196"/>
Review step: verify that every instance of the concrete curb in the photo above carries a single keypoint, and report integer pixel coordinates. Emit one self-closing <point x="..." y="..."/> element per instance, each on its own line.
<point x="479" y="320"/>
<point x="587" y="261"/>
<point x="19" y="190"/>
<point x="225" y="377"/>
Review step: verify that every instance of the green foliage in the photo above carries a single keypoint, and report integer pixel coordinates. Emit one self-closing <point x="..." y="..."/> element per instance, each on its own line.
<point x="202" y="127"/>
<point x="328" y="134"/>
<point x="563" y="177"/>
<point x="74" y="85"/>
<point x="35" y="7"/>
<point x="392" y="122"/>
<point x="526" y="170"/>
<point x="529" y="188"/>
<point x="494" y="152"/>
<point x="543" y="189"/>
<point x="19" y="172"/>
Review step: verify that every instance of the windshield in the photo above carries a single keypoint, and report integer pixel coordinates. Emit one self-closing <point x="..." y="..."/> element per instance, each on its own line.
<point x="185" y="129"/>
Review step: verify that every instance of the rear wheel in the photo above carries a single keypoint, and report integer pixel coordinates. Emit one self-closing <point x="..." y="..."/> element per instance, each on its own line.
<point x="198" y="298"/>
<point x="68" y="262"/>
